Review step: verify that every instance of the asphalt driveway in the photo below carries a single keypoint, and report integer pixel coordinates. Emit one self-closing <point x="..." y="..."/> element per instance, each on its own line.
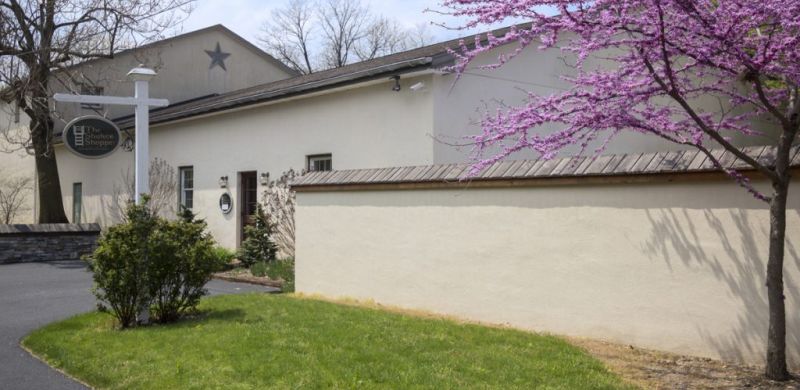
<point x="32" y="295"/>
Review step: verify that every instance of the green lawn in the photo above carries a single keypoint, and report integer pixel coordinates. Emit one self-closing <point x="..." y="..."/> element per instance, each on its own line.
<point x="265" y="341"/>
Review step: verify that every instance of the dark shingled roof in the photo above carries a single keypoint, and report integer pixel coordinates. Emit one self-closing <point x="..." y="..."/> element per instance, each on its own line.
<point x="687" y="161"/>
<point x="427" y="57"/>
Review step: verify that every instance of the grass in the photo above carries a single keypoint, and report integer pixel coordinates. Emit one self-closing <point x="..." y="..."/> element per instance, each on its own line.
<point x="263" y="341"/>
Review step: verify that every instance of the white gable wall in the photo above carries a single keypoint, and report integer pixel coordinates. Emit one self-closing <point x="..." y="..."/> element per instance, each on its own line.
<point x="184" y="72"/>
<point x="183" y="68"/>
<point x="366" y="127"/>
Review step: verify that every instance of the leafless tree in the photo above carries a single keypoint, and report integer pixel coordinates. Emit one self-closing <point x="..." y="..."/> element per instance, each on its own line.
<point x="279" y="204"/>
<point x="14" y="193"/>
<point x="288" y="35"/>
<point x="311" y="35"/>
<point x="419" y="36"/>
<point x="40" y="40"/>
<point x="344" y="23"/>
<point x="382" y="37"/>
<point x="163" y="191"/>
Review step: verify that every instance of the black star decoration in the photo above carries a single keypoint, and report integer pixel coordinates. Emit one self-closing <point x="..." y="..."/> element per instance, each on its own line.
<point x="218" y="58"/>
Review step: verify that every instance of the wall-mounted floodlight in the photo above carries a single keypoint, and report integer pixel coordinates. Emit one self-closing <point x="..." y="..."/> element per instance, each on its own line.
<point x="396" y="86"/>
<point x="420" y="86"/>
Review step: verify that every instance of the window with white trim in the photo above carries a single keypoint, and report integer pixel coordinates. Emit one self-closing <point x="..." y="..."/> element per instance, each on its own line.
<point x="186" y="186"/>
<point x="320" y="162"/>
<point x="88" y="89"/>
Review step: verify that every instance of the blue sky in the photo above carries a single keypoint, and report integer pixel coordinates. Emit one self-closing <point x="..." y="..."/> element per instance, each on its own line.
<point x="246" y="17"/>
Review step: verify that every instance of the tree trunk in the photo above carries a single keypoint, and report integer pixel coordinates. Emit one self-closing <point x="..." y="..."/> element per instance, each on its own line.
<point x="51" y="204"/>
<point x="776" y="335"/>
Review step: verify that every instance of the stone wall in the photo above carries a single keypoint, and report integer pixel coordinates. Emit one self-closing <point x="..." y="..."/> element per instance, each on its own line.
<point x="46" y="242"/>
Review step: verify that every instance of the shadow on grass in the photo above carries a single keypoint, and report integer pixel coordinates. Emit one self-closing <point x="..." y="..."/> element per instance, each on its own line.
<point x="110" y="323"/>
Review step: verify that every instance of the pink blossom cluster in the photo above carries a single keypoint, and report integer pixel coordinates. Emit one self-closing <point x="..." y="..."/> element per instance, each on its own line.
<point x="662" y="57"/>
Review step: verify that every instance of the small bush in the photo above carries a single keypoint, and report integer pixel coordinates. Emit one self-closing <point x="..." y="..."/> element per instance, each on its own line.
<point x="283" y="269"/>
<point x="276" y="270"/>
<point x="223" y="255"/>
<point x="182" y="263"/>
<point x="258" y="245"/>
<point x="259" y="269"/>
<point x="149" y="262"/>
<point x="119" y="263"/>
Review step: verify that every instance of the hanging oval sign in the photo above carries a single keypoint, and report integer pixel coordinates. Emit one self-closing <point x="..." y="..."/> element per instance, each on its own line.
<point x="91" y="136"/>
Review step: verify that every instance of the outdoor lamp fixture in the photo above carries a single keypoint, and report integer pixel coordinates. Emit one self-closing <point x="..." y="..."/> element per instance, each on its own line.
<point x="264" y="178"/>
<point x="223" y="182"/>
<point x="127" y="144"/>
<point x="397" y="86"/>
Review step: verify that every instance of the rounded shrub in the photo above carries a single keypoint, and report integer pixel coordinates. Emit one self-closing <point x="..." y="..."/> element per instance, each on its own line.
<point x="149" y="262"/>
<point x="119" y="265"/>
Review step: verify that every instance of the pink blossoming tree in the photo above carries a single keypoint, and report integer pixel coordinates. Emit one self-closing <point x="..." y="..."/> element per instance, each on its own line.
<point x="665" y="51"/>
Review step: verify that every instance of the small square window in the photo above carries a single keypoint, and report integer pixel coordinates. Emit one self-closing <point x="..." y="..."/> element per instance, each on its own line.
<point x="87" y="89"/>
<point x="320" y="162"/>
<point x="187" y="187"/>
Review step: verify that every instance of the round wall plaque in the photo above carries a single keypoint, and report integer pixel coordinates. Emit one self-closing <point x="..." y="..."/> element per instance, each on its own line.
<point x="225" y="203"/>
<point x="91" y="137"/>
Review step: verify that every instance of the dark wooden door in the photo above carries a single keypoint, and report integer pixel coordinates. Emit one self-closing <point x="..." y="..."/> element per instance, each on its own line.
<point x="249" y="200"/>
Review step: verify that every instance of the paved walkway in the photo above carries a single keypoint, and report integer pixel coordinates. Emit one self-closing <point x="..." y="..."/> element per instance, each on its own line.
<point x="32" y="295"/>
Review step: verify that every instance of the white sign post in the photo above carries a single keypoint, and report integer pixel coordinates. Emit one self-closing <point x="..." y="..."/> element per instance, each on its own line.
<point x="142" y="102"/>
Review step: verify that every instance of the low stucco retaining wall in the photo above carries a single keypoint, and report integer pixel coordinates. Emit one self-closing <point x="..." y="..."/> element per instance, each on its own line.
<point x="46" y="242"/>
<point x="671" y="266"/>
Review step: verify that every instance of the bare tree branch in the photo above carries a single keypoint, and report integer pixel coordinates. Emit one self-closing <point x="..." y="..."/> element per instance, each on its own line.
<point x="14" y="193"/>
<point x="42" y="41"/>
<point x="288" y="35"/>
<point x="163" y="191"/>
<point x="279" y="205"/>
<point x="310" y="36"/>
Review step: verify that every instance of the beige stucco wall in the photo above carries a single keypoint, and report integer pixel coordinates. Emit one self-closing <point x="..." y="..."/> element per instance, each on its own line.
<point x="183" y="68"/>
<point x="676" y="267"/>
<point x="183" y="73"/>
<point x="365" y="127"/>
<point x="459" y="105"/>
<point x="15" y="162"/>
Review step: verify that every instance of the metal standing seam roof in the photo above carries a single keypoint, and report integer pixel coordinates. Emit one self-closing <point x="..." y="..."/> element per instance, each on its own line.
<point x="683" y="161"/>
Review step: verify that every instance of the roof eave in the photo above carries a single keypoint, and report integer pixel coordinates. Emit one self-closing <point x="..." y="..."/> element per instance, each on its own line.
<point x="402" y="67"/>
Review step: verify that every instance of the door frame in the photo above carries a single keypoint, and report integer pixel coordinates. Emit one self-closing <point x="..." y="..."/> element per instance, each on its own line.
<point x="241" y="188"/>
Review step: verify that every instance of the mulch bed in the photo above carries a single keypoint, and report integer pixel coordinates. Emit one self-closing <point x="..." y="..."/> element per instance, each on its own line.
<point x="244" y="276"/>
<point x="660" y="370"/>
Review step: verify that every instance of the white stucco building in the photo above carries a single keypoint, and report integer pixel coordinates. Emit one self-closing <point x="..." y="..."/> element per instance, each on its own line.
<point x="645" y="245"/>
<point x="183" y="63"/>
<point x="256" y="120"/>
